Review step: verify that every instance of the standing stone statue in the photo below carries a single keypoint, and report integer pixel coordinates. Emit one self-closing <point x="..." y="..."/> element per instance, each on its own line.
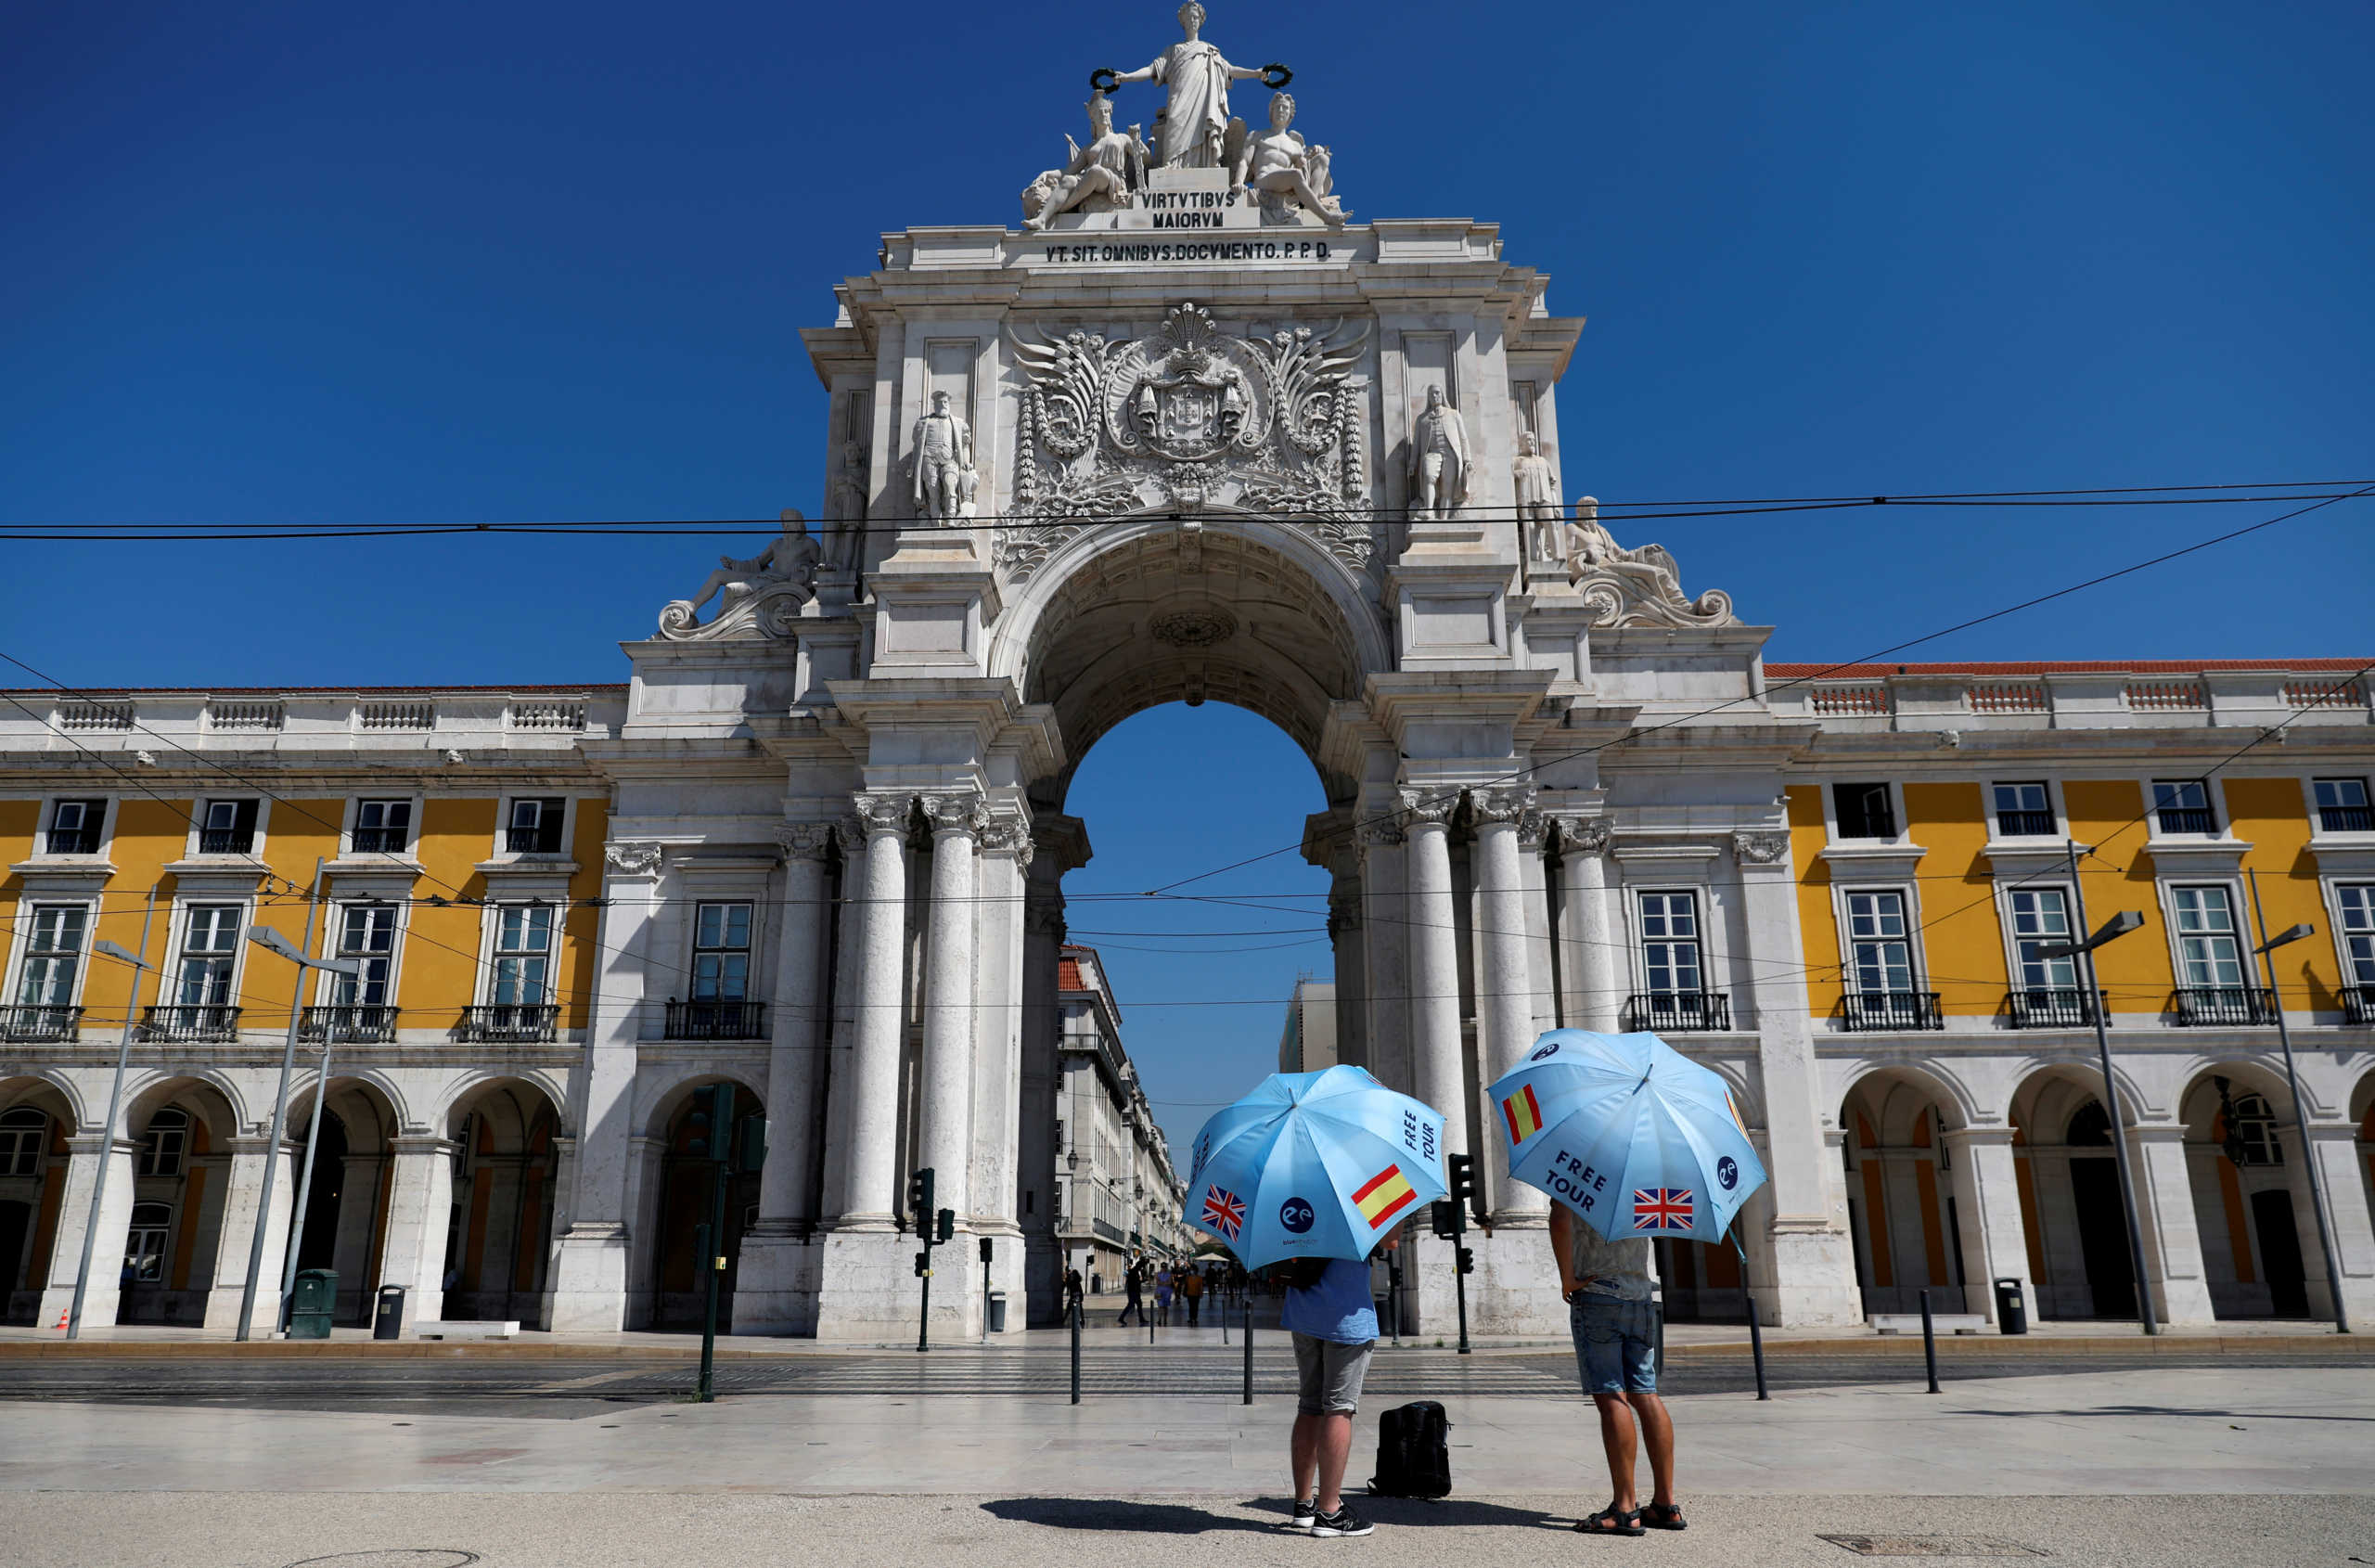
<point x="944" y="478"/>
<point x="1538" y="492"/>
<point x="1438" y="459"/>
<point x="1195" y="116"/>
<point x="853" y="495"/>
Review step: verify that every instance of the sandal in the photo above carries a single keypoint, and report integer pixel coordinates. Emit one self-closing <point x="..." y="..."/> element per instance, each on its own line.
<point x="1664" y="1516"/>
<point x="1611" y="1521"/>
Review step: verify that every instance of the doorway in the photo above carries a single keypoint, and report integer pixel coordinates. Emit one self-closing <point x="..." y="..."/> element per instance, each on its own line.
<point x="2102" y="1237"/>
<point x="2288" y="1281"/>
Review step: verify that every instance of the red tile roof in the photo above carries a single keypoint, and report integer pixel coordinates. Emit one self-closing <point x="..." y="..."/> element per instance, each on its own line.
<point x="2060" y="666"/>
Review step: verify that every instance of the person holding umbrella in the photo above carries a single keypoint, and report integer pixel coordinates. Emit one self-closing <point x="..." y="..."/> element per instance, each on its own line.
<point x="1633" y="1141"/>
<point x="1313" y="1170"/>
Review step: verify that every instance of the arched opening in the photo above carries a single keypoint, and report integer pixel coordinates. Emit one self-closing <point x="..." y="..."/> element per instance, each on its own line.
<point x="683" y="1203"/>
<point x="181" y="1170"/>
<point x="499" y="1243"/>
<point x="1903" y="1212"/>
<point x="2259" y="1241"/>
<point x="346" y="1212"/>
<point x="36" y="1121"/>
<point x="2068" y="1179"/>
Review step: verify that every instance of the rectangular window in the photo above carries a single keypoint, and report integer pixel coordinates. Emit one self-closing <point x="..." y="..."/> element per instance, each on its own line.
<point x="1881" y="958"/>
<point x="24" y="1139"/>
<point x="2357" y="901"/>
<point x="1865" y="811"/>
<point x="144" y="1243"/>
<point x="2182" y="805"/>
<point x="2342" y="807"/>
<point x="2023" y="811"/>
<point x="523" y="940"/>
<point x="722" y="953"/>
<point x="229" y="828"/>
<point x="382" y="826"/>
<point x="1670" y="941"/>
<point x="366" y="934"/>
<point x="167" y="1141"/>
<point x="535" y="827"/>
<point x="209" y="945"/>
<point x="74" y="826"/>
<point x="2041" y="918"/>
<point x="2207" y="952"/>
<point x="53" y="955"/>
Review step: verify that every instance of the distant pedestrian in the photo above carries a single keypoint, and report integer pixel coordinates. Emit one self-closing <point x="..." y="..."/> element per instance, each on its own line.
<point x="1607" y="1286"/>
<point x="1162" y="1295"/>
<point x="1333" y="1322"/>
<point x="1072" y="1291"/>
<point x="1192" y="1286"/>
<point x="1134" y="1284"/>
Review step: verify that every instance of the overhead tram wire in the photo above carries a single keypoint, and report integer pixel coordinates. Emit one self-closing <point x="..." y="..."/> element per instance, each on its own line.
<point x="1632" y="735"/>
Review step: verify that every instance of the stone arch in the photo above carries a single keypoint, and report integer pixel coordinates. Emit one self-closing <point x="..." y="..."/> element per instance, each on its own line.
<point x="183" y="1127"/>
<point x="506" y="1181"/>
<point x="667" y="1288"/>
<point x="1227" y="607"/>
<point x="346" y="1212"/>
<point x="2259" y="1241"/>
<point x="55" y="1093"/>
<point x="32" y="1186"/>
<point x="2070" y="1205"/>
<point x="468" y="1086"/>
<point x="1905" y="1219"/>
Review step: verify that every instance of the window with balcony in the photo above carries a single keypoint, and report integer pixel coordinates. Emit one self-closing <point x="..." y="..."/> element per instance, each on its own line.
<point x="1865" y="811"/>
<point x="1879" y="966"/>
<point x="2046" y="993"/>
<point x="720" y="1007"/>
<point x="227" y="827"/>
<point x="2357" y="902"/>
<point x="53" y="955"/>
<point x="145" y="1242"/>
<point x="360" y="1008"/>
<point x="1676" y="996"/>
<point x="201" y="1009"/>
<point x="2182" y="805"/>
<point x="2342" y="806"/>
<point x="2024" y="811"/>
<point x="24" y="1141"/>
<point x="165" y="1144"/>
<point x="2212" y="985"/>
<point x="535" y="827"/>
<point x="74" y="826"/>
<point x="382" y="826"/>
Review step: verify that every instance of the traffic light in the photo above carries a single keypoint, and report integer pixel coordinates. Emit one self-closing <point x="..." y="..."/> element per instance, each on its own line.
<point x="947" y="1227"/>
<point x="1446" y="1219"/>
<point x="988" y="1249"/>
<point x="706" y="1129"/>
<point x="1461" y="1169"/>
<point x="920" y="1198"/>
<point x="1464" y="1259"/>
<point x="923" y="1266"/>
<point x="749" y="1143"/>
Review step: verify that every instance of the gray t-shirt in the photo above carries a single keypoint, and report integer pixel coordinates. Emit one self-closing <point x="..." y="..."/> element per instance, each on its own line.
<point x="1614" y="1268"/>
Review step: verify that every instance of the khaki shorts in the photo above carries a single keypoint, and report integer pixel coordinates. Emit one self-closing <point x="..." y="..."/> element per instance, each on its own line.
<point x="1331" y="1375"/>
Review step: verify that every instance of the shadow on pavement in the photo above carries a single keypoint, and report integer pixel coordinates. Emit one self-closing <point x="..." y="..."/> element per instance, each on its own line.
<point x="1187" y="1519"/>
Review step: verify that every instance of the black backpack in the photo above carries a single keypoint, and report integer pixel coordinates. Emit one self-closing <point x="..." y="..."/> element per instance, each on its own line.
<point x="1412" y="1452"/>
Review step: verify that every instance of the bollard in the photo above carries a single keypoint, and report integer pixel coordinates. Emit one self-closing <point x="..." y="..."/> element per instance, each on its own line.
<point x="1929" y="1342"/>
<point x="1756" y="1349"/>
<point x="1248" y="1343"/>
<point x="1076" y="1317"/>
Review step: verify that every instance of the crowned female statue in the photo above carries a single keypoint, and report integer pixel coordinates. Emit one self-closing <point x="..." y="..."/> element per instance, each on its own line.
<point x="1195" y="116"/>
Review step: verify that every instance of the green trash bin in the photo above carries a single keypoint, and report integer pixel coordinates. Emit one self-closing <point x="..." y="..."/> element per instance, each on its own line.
<point x="311" y="1308"/>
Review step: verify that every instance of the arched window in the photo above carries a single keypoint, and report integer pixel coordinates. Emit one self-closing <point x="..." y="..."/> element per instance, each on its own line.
<point x="2090" y="1128"/>
<point x="2255" y="1132"/>
<point x="167" y="1140"/>
<point x="24" y="1134"/>
<point x="144" y="1244"/>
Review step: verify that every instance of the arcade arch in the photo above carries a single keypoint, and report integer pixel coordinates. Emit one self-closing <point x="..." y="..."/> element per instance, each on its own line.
<point x="36" y="1121"/>
<point x="2248" y="1184"/>
<point x="172" y="1255"/>
<point x="2070" y="1204"/>
<point x="346" y="1211"/>
<point x="671" y="1295"/>
<point x="1904" y="1215"/>
<point x="499" y="1240"/>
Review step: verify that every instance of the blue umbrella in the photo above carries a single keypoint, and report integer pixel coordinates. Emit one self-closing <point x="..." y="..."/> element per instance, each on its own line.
<point x="1629" y="1133"/>
<point x="1314" y="1164"/>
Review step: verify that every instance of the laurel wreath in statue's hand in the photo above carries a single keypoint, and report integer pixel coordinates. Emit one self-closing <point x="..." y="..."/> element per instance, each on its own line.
<point x="1275" y="76"/>
<point x="1104" y="79"/>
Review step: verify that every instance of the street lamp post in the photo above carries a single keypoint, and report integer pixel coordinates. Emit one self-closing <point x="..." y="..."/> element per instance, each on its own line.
<point x="2119" y="925"/>
<point x="2266" y="951"/>
<point x="140" y="965"/>
<point x="314" y="1126"/>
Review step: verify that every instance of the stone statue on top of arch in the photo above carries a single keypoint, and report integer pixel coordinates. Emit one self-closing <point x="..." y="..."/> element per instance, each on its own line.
<point x="1096" y="178"/>
<point x="1195" y="76"/>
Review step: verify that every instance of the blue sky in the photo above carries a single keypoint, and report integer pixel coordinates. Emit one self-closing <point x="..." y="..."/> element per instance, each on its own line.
<point x="456" y="263"/>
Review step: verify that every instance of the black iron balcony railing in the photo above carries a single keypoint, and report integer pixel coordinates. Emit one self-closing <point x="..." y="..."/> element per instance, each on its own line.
<point x="716" y="1020"/>
<point x="225" y="841"/>
<point x="2204" y="1005"/>
<point x="349" y="1024"/>
<point x="2187" y="819"/>
<point x="40" y="1023"/>
<point x="532" y="840"/>
<point x="190" y="1021"/>
<point x="379" y="841"/>
<point x="2333" y="819"/>
<point x="2025" y="824"/>
<point x="1682" y="1012"/>
<point x="509" y="1023"/>
<point x="2358" y="1003"/>
<point x="2054" y="1007"/>
<point x="1865" y="1012"/>
<point x="74" y="840"/>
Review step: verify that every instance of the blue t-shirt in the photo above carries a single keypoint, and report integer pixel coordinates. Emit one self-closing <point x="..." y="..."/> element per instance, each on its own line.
<point x="1337" y="1309"/>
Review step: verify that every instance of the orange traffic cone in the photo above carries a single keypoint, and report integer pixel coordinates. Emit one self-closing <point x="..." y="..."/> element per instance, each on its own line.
<point x="61" y="1319"/>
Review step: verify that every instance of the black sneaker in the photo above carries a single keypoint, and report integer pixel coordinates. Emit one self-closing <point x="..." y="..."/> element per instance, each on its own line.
<point x="1307" y="1512"/>
<point x="1344" y="1521"/>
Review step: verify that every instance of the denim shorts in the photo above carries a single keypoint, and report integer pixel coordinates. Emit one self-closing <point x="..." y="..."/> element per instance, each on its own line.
<point x="1615" y="1346"/>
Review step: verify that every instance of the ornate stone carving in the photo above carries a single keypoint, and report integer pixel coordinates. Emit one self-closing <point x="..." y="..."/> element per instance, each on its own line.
<point x="805" y="840"/>
<point x="1504" y="804"/>
<point x="1344" y="913"/>
<point x="1760" y="846"/>
<point x="882" y="813"/>
<point x="1193" y="129"/>
<point x="762" y="596"/>
<point x="1184" y="419"/>
<point x="1428" y="806"/>
<point x="1641" y="587"/>
<point x="945" y="479"/>
<point x="1538" y="492"/>
<point x="1439" y="476"/>
<point x="1285" y="174"/>
<point x="1096" y="178"/>
<point x="1377" y="832"/>
<point x="1043" y="914"/>
<point x="1582" y="835"/>
<point x="958" y="811"/>
<point x="1533" y="832"/>
<point x="1010" y="835"/>
<point x="1193" y="628"/>
<point x="634" y="857"/>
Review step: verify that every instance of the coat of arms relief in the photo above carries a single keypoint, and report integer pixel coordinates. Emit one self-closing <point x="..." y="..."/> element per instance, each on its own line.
<point x="1187" y="417"/>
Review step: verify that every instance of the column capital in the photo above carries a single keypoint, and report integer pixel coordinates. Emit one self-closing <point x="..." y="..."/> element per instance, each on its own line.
<point x="423" y="1143"/>
<point x="2000" y="1134"/>
<point x="633" y="857"/>
<point x="1427" y="808"/>
<point x="1381" y="832"/>
<point x="1344" y="913"/>
<point x="1504" y="803"/>
<point x="805" y="840"/>
<point x="91" y="1143"/>
<point x="1761" y="846"/>
<point x="956" y="813"/>
<point x="1580" y="833"/>
<point x="1010" y="835"/>
<point x="882" y="812"/>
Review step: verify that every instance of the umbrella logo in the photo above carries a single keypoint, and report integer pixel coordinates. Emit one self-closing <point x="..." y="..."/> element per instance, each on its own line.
<point x="1727" y="1173"/>
<point x="1297" y="1215"/>
<point x="1544" y="1052"/>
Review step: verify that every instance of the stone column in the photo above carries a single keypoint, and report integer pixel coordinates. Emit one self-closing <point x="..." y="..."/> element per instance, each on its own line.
<point x="1385" y="967"/>
<point x="242" y="1199"/>
<point x="1435" y="966"/>
<point x="1007" y="853"/>
<point x="958" y="819"/>
<point x="2337" y="1156"/>
<point x="589" y="1274"/>
<point x="1987" y="1206"/>
<point x="1588" y="954"/>
<point x="1806" y="1274"/>
<point x="102" y="1295"/>
<point x="420" y="1201"/>
<point x="1504" y="981"/>
<point x="774" y="1291"/>
<point x="2172" y="1238"/>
